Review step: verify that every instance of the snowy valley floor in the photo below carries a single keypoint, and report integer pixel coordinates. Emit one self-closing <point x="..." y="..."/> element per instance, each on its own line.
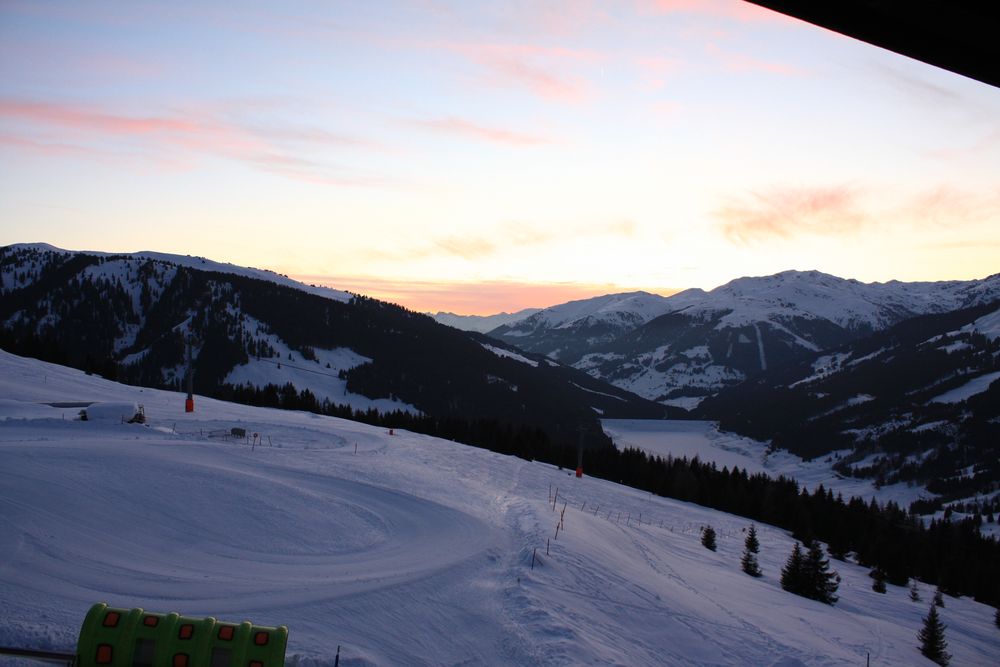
<point x="691" y="438"/>
<point x="403" y="549"/>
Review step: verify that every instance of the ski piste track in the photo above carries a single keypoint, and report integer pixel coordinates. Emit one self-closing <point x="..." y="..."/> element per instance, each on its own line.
<point x="397" y="537"/>
<point x="131" y="533"/>
<point x="402" y="549"/>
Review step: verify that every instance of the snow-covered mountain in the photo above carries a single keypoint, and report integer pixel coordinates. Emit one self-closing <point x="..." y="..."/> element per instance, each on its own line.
<point x="482" y="323"/>
<point x="266" y="339"/>
<point x="917" y="403"/>
<point x="399" y="549"/>
<point x="681" y="348"/>
<point x="563" y="331"/>
<point x="9" y="275"/>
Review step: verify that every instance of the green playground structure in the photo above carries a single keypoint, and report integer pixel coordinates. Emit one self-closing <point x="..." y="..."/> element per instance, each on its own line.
<point x="138" y="638"/>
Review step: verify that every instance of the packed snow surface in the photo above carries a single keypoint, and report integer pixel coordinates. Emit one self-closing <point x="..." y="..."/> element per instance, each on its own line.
<point x="501" y="352"/>
<point x="403" y="549"/>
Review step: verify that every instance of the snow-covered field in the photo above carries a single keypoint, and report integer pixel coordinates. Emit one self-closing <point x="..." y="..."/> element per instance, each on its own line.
<point x="403" y="549"/>
<point x="691" y="438"/>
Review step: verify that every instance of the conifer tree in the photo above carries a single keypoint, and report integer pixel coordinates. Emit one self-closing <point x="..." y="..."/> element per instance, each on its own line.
<point x="878" y="577"/>
<point x="749" y="560"/>
<point x="793" y="574"/>
<point x="914" y="591"/>
<point x="996" y="618"/>
<point x="938" y="598"/>
<point x="708" y="537"/>
<point x="822" y="583"/>
<point x="931" y="636"/>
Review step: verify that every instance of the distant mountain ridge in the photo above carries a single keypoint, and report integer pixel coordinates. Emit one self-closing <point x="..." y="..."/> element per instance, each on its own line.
<point x="191" y="262"/>
<point x="681" y="348"/>
<point x="127" y="317"/>
<point x="481" y="323"/>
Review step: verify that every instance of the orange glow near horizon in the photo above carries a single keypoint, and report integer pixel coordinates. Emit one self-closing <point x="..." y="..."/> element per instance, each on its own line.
<point x="483" y="298"/>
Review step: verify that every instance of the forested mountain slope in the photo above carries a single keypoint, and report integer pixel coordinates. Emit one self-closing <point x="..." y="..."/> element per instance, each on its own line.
<point x="131" y="317"/>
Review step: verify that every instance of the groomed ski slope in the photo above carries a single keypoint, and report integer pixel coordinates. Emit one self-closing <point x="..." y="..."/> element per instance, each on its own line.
<point x="403" y="549"/>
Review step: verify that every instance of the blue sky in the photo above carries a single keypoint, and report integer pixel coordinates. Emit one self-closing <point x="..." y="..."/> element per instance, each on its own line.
<point x="478" y="157"/>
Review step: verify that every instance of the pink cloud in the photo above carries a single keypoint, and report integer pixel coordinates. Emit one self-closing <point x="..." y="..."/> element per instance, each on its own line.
<point x="505" y="237"/>
<point x="160" y="137"/>
<point x="787" y="212"/>
<point x="465" y="128"/>
<point x="44" y="148"/>
<point x="948" y="206"/>
<point x="539" y="69"/>
<point x="78" y="118"/>
<point x="540" y="81"/>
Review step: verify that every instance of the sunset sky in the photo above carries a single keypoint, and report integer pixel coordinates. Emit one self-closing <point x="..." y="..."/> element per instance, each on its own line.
<point x="486" y="156"/>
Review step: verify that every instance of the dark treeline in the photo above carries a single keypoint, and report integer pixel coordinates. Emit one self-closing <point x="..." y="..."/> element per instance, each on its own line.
<point x="520" y="440"/>
<point x="952" y="555"/>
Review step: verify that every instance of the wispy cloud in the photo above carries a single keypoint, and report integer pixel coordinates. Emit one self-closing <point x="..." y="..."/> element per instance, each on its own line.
<point x="787" y="212"/>
<point x="842" y="210"/>
<point x="467" y="247"/>
<point x="468" y="129"/>
<point x="277" y="149"/>
<point x="81" y="118"/>
<point x="519" y="235"/>
<point x="505" y="237"/>
<point x="542" y="70"/>
<point x="950" y="206"/>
